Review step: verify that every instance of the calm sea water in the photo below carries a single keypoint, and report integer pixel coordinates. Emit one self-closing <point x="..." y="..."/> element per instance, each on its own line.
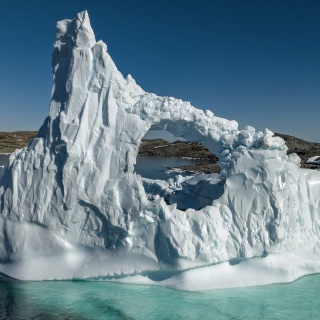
<point x="104" y="300"/>
<point x="155" y="167"/>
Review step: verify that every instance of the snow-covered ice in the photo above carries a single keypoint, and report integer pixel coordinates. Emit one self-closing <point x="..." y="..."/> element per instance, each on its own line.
<point x="72" y="206"/>
<point x="313" y="160"/>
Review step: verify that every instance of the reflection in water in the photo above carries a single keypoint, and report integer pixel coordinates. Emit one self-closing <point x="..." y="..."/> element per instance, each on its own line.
<point x="104" y="300"/>
<point x="17" y="301"/>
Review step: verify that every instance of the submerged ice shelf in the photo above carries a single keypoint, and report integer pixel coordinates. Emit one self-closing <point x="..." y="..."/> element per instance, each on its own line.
<point x="72" y="207"/>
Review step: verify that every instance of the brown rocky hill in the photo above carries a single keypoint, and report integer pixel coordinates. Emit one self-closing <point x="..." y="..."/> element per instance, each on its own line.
<point x="304" y="149"/>
<point x="177" y="149"/>
<point x="9" y="141"/>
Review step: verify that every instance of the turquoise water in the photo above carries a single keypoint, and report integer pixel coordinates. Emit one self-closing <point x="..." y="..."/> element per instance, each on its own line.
<point x="103" y="300"/>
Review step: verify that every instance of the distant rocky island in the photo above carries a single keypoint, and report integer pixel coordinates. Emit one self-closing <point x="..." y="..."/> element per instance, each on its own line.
<point x="181" y="149"/>
<point x="9" y="141"/>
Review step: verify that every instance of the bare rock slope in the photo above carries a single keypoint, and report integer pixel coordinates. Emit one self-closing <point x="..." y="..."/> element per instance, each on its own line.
<point x="9" y="141"/>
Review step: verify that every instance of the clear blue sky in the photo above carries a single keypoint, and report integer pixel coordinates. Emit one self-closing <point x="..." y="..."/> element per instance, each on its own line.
<point x="257" y="62"/>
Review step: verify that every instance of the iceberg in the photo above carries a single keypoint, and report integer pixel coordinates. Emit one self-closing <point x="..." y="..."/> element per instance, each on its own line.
<point x="72" y="206"/>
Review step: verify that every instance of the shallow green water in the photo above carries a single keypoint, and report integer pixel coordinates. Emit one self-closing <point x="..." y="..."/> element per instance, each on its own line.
<point x="102" y="300"/>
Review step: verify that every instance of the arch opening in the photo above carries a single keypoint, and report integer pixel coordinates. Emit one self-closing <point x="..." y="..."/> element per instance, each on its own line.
<point x="183" y="172"/>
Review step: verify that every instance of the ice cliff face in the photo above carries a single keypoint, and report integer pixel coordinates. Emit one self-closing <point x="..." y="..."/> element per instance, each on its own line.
<point x="73" y="191"/>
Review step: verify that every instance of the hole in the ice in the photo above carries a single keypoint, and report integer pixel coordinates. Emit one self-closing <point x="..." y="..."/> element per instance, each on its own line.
<point x="264" y="254"/>
<point x="159" y="275"/>
<point x="235" y="261"/>
<point x="181" y="172"/>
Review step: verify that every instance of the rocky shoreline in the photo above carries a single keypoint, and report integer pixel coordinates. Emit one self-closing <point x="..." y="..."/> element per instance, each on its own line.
<point x="176" y="149"/>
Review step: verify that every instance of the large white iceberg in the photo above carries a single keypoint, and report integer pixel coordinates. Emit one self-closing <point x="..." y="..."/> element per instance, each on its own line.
<point x="72" y="206"/>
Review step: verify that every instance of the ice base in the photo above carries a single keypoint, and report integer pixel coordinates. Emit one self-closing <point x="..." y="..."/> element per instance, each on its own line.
<point x="276" y="268"/>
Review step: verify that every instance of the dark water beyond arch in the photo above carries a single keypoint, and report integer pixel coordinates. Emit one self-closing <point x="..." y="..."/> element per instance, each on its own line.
<point x="155" y="167"/>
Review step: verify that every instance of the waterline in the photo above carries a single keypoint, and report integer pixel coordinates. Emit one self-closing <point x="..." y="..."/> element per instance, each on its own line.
<point x="104" y="300"/>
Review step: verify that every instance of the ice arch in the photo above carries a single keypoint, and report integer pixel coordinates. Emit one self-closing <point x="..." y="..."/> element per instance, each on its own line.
<point x="72" y="206"/>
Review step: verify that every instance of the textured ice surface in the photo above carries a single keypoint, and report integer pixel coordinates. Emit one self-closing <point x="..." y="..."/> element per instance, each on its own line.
<point x="72" y="206"/>
<point x="193" y="192"/>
